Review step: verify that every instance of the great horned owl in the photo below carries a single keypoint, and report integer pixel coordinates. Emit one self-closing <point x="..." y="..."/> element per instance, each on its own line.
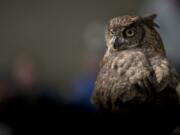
<point x="134" y="69"/>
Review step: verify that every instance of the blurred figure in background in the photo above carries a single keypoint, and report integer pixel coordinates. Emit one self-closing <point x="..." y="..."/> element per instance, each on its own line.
<point x="24" y="75"/>
<point x="26" y="85"/>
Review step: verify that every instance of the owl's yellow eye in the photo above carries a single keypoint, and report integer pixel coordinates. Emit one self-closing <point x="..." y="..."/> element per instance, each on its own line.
<point x="130" y="32"/>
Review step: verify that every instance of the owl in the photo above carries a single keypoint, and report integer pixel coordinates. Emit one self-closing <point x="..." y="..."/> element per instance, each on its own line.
<point x="135" y="69"/>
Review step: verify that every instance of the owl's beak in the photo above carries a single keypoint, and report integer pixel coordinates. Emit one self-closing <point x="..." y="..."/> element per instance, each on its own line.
<point x="117" y="43"/>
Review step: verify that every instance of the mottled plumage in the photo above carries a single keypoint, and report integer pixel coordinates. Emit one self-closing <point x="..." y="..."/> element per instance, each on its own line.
<point x="134" y="69"/>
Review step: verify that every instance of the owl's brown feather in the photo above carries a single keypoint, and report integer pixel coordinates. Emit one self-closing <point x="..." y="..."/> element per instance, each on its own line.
<point x="119" y="76"/>
<point x="137" y="72"/>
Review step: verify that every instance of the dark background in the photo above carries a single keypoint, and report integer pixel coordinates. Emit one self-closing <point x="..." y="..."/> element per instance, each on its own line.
<point x="50" y="50"/>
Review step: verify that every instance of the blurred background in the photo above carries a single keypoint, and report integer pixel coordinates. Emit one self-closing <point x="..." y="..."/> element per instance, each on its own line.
<point x="50" y="50"/>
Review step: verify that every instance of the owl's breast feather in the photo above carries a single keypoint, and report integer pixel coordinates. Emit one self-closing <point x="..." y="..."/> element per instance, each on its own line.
<point x="119" y="75"/>
<point x="129" y="66"/>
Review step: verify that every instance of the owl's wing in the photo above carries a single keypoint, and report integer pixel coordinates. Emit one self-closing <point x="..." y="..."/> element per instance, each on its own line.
<point x="175" y="78"/>
<point x="165" y="74"/>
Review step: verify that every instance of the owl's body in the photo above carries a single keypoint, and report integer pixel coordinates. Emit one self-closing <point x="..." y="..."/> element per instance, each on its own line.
<point x="134" y="69"/>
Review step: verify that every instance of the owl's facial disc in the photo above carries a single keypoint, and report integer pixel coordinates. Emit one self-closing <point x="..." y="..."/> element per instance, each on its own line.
<point x="125" y="37"/>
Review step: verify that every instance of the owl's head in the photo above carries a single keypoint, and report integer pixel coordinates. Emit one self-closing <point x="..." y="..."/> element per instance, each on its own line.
<point x="127" y="32"/>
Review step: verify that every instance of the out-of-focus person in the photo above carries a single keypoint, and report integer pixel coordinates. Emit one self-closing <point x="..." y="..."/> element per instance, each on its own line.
<point x="24" y="74"/>
<point x="26" y="84"/>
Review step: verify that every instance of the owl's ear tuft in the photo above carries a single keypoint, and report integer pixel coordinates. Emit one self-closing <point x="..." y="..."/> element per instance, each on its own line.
<point x="149" y="20"/>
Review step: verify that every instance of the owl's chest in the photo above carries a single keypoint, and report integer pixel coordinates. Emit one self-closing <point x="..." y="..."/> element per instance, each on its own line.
<point x="124" y="67"/>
